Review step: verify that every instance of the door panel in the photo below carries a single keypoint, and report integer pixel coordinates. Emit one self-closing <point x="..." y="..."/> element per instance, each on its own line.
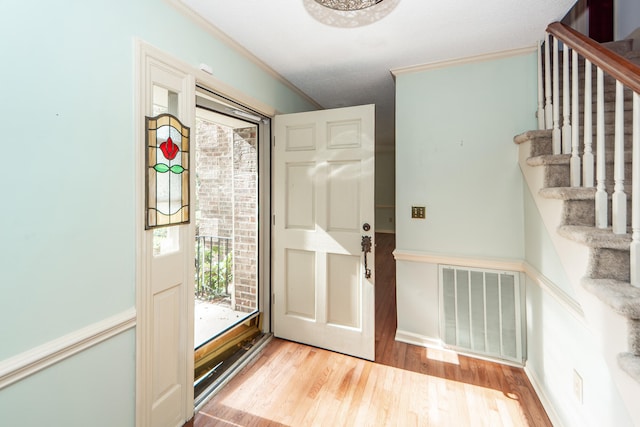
<point x="323" y="194"/>
<point x="343" y="201"/>
<point x="344" y="290"/>
<point x="300" y="284"/>
<point x="300" y="187"/>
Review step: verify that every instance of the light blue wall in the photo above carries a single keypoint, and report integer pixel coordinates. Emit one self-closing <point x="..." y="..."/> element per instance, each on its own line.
<point x="455" y="154"/>
<point x="68" y="244"/>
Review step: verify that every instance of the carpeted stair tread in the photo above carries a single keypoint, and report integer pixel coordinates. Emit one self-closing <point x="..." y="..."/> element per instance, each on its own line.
<point x="568" y="193"/>
<point x="564" y="159"/>
<point x="623" y="298"/>
<point x="532" y="135"/>
<point x="583" y="193"/>
<point x="595" y="237"/>
<point x="619" y="46"/>
<point x="633" y="56"/>
<point x="630" y="363"/>
<point x="549" y="159"/>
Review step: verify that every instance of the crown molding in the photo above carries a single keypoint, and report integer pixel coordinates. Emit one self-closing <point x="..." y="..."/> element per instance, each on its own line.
<point x="219" y="34"/>
<point x="460" y="61"/>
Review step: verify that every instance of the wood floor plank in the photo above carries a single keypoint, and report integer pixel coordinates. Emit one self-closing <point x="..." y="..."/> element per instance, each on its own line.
<point x="290" y="384"/>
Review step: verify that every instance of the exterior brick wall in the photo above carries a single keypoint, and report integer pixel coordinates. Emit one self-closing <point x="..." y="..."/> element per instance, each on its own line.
<point x="245" y="183"/>
<point x="226" y="186"/>
<point x="214" y="180"/>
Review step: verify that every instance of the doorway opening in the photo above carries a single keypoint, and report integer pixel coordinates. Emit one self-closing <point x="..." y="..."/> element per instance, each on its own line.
<point x="227" y="311"/>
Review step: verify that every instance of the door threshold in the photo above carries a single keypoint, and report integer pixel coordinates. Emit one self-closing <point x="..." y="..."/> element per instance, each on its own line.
<point x="220" y="375"/>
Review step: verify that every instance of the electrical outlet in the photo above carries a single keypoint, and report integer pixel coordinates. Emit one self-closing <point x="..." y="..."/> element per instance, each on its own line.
<point x="577" y="386"/>
<point x="418" y="212"/>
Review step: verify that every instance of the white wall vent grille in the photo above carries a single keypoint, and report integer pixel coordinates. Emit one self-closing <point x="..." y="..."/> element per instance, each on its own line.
<point x="481" y="311"/>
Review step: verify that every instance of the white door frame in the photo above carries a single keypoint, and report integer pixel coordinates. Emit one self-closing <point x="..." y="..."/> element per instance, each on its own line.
<point x="144" y="54"/>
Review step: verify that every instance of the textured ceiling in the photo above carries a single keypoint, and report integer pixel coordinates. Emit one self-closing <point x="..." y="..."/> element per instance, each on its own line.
<point x="343" y="59"/>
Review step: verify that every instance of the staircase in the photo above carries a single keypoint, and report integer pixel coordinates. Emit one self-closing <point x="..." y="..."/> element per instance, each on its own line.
<point x="596" y="260"/>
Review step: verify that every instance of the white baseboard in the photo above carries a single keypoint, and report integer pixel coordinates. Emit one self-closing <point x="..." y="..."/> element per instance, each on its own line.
<point x="546" y="403"/>
<point x="417" y="339"/>
<point x="31" y="361"/>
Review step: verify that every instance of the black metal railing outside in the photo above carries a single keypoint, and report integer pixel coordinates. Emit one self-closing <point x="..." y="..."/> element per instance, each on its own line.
<point x="214" y="265"/>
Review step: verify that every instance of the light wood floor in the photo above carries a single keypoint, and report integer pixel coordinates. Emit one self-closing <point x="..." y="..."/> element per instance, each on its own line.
<point x="290" y="384"/>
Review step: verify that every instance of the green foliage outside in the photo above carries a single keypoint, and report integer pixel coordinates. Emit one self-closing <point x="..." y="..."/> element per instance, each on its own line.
<point x="214" y="272"/>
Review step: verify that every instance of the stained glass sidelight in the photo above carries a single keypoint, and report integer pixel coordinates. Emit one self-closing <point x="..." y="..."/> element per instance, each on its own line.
<point x="167" y="163"/>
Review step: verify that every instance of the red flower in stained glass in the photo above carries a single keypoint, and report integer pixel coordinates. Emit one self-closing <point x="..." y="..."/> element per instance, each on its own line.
<point x="169" y="149"/>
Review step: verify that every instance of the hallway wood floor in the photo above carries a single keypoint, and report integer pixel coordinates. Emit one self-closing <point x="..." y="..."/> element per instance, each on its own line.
<point x="295" y="385"/>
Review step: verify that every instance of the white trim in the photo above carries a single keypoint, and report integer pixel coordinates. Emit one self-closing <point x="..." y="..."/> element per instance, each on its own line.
<point x="461" y="61"/>
<point x="141" y="51"/>
<point x="418" y="340"/>
<point x="38" y="358"/>
<point x="144" y="49"/>
<point x="548" y="286"/>
<point x="208" y="81"/>
<point x="219" y="34"/>
<point x="546" y="403"/>
<point x="463" y="261"/>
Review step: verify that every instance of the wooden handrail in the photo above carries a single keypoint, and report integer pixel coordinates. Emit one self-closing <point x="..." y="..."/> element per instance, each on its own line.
<point x="620" y="68"/>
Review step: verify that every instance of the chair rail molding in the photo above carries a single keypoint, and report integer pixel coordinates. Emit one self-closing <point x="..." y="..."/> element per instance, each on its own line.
<point x="517" y="265"/>
<point x="41" y="357"/>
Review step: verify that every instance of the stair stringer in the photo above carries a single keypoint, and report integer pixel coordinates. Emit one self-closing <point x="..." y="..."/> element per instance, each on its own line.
<point x="610" y="330"/>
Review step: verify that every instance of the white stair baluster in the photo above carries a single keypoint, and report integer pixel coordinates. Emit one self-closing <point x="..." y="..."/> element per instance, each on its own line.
<point x="619" y="199"/>
<point x="587" y="158"/>
<point x="601" y="193"/>
<point x="635" y="197"/>
<point x="556" y="136"/>
<point x="575" y="128"/>
<point x="548" y="106"/>
<point x="566" y="98"/>
<point x="540" y="113"/>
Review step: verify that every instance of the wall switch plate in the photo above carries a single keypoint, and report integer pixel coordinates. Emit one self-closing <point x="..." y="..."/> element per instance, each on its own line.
<point x="418" y="212"/>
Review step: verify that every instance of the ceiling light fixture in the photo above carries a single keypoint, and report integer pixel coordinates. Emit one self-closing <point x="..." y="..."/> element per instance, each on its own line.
<point x="349" y="13"/>
<point x="347" y="5"/>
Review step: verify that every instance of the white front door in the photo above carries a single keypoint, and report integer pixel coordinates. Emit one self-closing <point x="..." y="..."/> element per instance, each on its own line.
<point x="166" y="269"/>
<point x="324" y="207"/>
